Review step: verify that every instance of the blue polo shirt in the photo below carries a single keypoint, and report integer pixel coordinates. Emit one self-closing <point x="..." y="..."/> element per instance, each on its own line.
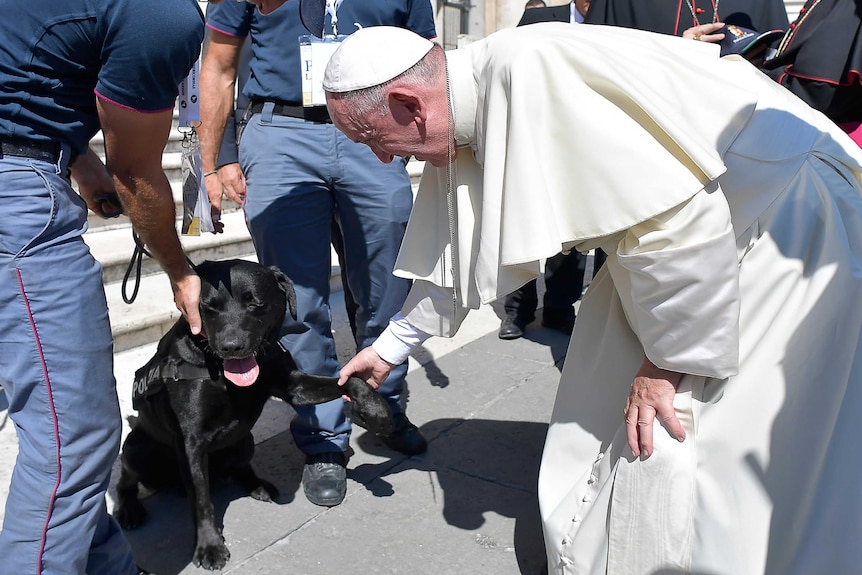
<point x="274" y="66"/>
<point x="56" y="56"/>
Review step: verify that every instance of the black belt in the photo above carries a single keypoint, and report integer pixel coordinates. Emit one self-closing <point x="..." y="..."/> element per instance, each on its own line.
<point x="47" y="151"/>
<point x="312" y="113"/>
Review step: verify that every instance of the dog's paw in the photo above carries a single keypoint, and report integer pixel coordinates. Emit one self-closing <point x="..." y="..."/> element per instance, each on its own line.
<point x="213" y="556"/>
<point x="371" y="406"/>
<point x="266" y="491"/>
<point x="131" y="514"/>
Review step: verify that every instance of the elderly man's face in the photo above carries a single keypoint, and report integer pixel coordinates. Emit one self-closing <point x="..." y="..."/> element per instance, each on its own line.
<point x="398" y="132"/>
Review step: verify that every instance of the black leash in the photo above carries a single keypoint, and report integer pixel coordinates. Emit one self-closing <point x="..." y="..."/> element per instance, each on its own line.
<point x="135" y="264"/>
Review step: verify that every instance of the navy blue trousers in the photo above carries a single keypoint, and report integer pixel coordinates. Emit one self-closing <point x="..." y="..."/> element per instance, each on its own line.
<point x="300" y="177"/>
<point x="56" y="367"/>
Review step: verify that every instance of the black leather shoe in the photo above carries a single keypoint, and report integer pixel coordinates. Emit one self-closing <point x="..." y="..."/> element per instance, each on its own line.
<point x="512" y="327"/>
<point x="324" y="478"/>
<point x="564" y="324"/>
<point x="406" y="438"/>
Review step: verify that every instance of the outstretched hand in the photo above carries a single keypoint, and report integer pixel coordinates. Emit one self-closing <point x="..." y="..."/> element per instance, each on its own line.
<point x="651" y="397"/>
<point x="368" y="366"/>
<point x="705" y="32"/>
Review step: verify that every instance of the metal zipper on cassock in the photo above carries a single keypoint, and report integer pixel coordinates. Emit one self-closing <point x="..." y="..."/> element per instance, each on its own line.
<point x="450" y="196"/>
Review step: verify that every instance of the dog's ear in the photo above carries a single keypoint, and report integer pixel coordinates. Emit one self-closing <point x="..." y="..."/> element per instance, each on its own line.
<point x="287" y="287"/>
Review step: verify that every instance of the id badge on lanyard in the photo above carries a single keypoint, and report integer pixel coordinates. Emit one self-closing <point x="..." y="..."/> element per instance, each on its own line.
<point x="314" y="55"/>
<point x="197" y="217"/>
<point x="189" y="104"/>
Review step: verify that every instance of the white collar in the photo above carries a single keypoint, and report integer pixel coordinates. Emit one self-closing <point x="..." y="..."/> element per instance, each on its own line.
<point x="464" y="92"/>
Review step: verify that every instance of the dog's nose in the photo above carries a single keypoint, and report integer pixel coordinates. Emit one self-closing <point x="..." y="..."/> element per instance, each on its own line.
<point x="232" y="347"/>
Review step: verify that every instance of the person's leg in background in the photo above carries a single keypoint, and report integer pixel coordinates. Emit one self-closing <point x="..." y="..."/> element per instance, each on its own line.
<point x="374" y="201"/>
<point x="350" y="304"/>
<point x="520" y="308"/>
<point x="289" y="209"/>
<point x="599" y="258"/>
<point x="564" y="283"/>
<point x="56" y="360"/>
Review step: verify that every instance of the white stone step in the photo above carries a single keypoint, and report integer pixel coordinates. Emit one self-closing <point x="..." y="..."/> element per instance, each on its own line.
<point x="113" y="247"/>
<point x="153" y="311"/>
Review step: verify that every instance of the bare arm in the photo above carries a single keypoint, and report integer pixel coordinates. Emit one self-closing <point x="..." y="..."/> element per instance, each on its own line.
<point x="95" y="185"/>
<point x="134" y="142"/>
<point x="217" y="85"/>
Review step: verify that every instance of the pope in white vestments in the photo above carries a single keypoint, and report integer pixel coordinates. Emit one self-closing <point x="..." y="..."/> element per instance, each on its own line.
<point x="731" y="213"/>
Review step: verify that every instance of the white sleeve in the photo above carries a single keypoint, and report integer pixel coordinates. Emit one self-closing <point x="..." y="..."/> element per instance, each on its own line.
<point x="398" y="340"/>
<point x="678" y="279"/>
<point x="432" y="309"/>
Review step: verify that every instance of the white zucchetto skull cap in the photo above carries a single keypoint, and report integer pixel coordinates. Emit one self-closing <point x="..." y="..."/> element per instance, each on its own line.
<point x="372" y="56"/>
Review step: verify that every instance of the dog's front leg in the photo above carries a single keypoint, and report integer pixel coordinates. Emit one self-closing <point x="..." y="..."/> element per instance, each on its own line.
<point x="210" y="549"/>
<point x="130" y="513"/>
<point x="304" y="389"/>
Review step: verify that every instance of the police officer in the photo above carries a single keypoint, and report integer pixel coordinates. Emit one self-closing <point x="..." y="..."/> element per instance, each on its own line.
<point x="67" y="69"/>
<point x="301" y="174"/>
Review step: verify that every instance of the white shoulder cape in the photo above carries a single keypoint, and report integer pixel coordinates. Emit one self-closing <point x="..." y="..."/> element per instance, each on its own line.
<point x="566" y="133"/>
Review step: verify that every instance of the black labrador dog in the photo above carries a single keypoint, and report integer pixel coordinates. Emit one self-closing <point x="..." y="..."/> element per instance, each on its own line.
<point x="199" y="397"/>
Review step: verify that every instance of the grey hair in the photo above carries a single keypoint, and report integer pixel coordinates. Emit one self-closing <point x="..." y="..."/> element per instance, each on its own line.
<point x="371" y="100"/>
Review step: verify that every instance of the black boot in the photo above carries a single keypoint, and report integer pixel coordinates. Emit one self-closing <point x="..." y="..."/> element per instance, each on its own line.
<point x="405" y="438"/>
<point x="512" y="327"/>
<point x="324" y="478"/>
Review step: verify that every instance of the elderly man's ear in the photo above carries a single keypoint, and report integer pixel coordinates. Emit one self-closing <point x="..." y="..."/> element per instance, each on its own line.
<point x="407" y="107"/>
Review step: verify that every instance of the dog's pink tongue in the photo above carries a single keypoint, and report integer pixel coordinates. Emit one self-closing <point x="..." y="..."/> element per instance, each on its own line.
<point x="241" y="372"/>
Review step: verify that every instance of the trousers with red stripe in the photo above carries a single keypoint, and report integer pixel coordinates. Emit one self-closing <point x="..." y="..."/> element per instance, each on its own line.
<point x="56" y="369"/>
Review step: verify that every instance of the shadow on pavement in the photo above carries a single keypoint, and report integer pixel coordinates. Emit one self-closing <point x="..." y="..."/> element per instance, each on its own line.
<point x="482" y="467"/>
<point x="497" y="456"/>
<point x="166" y="539"/>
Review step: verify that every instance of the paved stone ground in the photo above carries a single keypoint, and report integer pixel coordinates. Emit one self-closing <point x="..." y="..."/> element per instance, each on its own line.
<point x="466" y="506"/>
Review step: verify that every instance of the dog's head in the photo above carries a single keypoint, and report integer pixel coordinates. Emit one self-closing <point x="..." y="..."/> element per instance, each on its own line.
<point x="242" y="308"/>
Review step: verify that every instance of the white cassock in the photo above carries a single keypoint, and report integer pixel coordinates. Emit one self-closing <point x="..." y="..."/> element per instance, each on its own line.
<point x="732" y="218"/>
